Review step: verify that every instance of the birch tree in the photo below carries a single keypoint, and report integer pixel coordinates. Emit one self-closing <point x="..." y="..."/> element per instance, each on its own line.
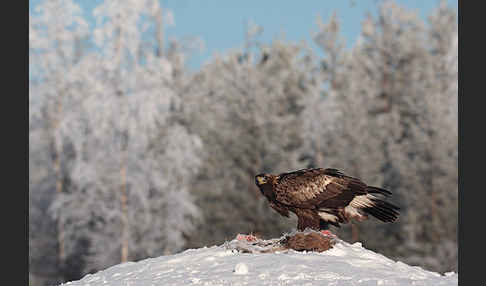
<point x="53" y="31"/>
<point x="121" y="179"/>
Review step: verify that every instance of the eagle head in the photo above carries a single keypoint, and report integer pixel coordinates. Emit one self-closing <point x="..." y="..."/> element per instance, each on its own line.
<point x="264" y="183"/>
<point x="261" y="179"/>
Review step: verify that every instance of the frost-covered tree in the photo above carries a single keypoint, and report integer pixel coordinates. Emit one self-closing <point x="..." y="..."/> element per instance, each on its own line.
<point x="430" y="167"/>
<point x="337" y="124"/>
<point x="120" y="175"/>
<point x="126" y="165"/>
<point x="179" y="161"/>
<point x="54" y="29"/>
<point x="43" y="245"/>
<point x="247" y="109"/>
<point x="387" y="75"/>
<point x="395" y="125"/>
<point x="418" y="125"/>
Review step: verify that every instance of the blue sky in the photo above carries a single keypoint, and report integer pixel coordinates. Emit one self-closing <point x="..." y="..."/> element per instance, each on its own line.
<point x="221" y="24"/>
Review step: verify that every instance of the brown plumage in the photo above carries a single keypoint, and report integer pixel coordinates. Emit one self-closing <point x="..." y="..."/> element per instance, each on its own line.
<point x="324" y="196"/>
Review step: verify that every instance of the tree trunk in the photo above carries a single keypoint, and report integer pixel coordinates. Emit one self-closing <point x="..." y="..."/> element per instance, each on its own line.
<point x="59" y="183"/>
<point x="159" y="30"/>
<point x="124" y="247"/>
<point x="60" y="231"/>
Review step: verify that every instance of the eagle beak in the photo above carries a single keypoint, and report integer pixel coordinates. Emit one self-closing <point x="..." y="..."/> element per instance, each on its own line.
<point x="261" y="180"/>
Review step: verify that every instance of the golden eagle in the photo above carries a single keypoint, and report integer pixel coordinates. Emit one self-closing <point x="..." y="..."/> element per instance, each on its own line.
<point x="320" y="197"/>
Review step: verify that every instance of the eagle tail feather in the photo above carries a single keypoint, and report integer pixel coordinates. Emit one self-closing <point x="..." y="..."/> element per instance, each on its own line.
<point x="376" y="190"/>
<point x="382" y="210"/>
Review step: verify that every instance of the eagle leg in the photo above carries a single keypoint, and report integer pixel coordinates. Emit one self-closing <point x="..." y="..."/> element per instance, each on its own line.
<point x="324" y="228"/>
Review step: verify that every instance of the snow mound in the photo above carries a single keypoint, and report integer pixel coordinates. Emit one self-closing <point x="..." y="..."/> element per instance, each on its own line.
<point x="343" y="264"/>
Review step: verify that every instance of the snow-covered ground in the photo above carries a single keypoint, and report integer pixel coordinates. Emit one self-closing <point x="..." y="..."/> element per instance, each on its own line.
<point x="344" y="264"/>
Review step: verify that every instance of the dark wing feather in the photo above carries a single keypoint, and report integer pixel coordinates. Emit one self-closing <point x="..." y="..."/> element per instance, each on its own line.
<point x="309" y="188"/>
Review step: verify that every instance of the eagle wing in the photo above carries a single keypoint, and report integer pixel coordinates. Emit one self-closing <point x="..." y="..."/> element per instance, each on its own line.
<point x="312" y="188"/>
